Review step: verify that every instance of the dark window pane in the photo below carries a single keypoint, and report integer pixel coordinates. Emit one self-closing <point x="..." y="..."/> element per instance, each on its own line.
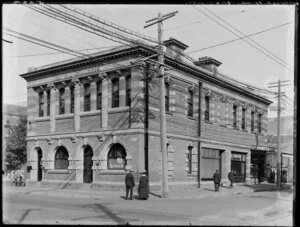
<point x="99" y="95"/>
<point x="87" y="97"/>
<point x="72" y="99"/>
<point x="115" y="93"/>
<point x="61" y="158"/>
<point x="116" y="157"/>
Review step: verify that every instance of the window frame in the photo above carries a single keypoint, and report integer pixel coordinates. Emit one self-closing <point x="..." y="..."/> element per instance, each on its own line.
<point x="259" y="122"/>
<point x="99" y="95"/>
<point x="72" y="98"/>
<point x="87" y="97"/>
<point x="252" y="121"/>
<point x="110" y="156"/>
<point x="48" y="102"/>
<point x="41" y="104"/>
<point x="58" y="161"/>
<point x="207" y="107"/>
<point x="128" y="90"/>
<point x="115" y="93"/>
<point x="243" y="124"/>
<point x="234" y="116"/>
<point x="190" y="103"/>
<point x="62" y="101"/>
<point x="190" y="159"/>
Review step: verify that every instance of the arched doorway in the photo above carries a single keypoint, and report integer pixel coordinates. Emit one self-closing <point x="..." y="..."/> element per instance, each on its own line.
<point x="39" y="165"/>
<point x="87" y="165"/>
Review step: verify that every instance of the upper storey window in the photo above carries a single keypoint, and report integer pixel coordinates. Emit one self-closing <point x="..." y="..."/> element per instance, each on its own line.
<point x="99" y="95"/>
<point x="87" y="97"/>
<point x="234" y="116"/>
<point x="61" y="101"/>
<point x="206" y="111"/>
<point x="115" y="93"/>
<point x="128" y="90"/>
<point x="252" y="121"/>
<point x="190" y="104"/>
<point x="41" y="104"/>
<point x="259" y="123"/>
<point x="48" y="103"/>
<point x="243" y="118"/>
<point x="72" y="97"/>
<point x="167" y="97"/>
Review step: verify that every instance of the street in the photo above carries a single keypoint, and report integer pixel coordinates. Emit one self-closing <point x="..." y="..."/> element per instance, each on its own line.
<point x="260" y="208"/>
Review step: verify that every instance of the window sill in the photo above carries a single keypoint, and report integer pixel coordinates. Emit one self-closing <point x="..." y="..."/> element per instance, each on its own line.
<point x="113" y="172"/>
<point x="208" y="122"/>
<point x="58" y="171"/>
<point x="62" y="116"/>
<point x="191" y="175"/>
<point x="118" y="109"/>
<point x="92" y="112"/>
<point x="47" y="118"/>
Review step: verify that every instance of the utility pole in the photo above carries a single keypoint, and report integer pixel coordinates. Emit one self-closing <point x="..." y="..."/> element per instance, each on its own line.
<point x="163" y="142"/>
<point x="278" y="84"/>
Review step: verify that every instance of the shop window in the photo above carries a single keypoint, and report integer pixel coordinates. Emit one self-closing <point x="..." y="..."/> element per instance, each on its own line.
<point x="48" y="103"/>
<point x="211" y="162"/>
<point x="189" y="158"/>
<point x="61" y="158"/>
<point x="72" y="97"/>
<point x="238" y="166"/>
<point x="252" y="121"/>
<point x="87" y="97"/>
<point x="99" y="95"/>
<point x="190" y="104"/>
<point x="41" y="104"/>
<point x="61" y="101"/>
<point x="115" y="93"/>
<point x="234" y="116"/>
<point x="116" y="158"/>
<point x="259" y="123"/>
<point x="167" y="97"/>
<point x="243" y="118"/>
<point x="207" y="106"/>
<point x="128" y="90"/>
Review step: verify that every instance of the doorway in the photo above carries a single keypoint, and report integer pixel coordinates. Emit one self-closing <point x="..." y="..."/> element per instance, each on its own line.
<point x="87" y="165"/>
<point x="258" y="164"/>
<point x="39" y="164"/>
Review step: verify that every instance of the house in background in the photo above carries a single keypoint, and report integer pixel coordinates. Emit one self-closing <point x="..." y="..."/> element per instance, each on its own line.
<point x="91" y="119"/>
<point x="11" y="116"/>
<point x="287" y="144"/>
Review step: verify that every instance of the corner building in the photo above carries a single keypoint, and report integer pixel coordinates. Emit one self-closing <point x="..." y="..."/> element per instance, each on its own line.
<point x="90" y="119"/>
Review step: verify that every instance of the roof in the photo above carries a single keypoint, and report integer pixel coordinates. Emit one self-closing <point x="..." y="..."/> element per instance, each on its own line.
<point x="10" y="109"/>
<point x="207" y="60"/>
<point x="141" y="50"/>
<point x="176" y="42"/>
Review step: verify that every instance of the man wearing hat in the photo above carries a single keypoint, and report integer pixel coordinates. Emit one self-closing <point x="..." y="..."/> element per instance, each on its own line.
<point x="143" y="188"/>
<point x="129" y="183"/>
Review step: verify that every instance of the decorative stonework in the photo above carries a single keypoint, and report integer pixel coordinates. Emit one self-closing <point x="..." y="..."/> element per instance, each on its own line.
<point x="101" y="137"/>
<point x="73" y="139"/>
<point x="169" y="80"/>
<point x="49" y="140"/>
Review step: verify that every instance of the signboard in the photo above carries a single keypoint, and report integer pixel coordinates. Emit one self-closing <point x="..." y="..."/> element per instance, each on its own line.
<point x="263" y="148"/>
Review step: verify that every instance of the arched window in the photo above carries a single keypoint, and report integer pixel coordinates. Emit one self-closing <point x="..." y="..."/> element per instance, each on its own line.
<point x="116" y="158"/>
<point x="61" y="158"/>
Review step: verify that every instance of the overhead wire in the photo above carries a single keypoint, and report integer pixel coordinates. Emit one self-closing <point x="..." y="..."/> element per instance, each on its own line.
<point x="245" y="35"/>
<point x="244" y="39"/>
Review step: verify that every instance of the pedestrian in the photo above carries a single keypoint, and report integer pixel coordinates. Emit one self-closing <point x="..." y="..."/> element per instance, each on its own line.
<point x="217" y="180"/>
<point x="129" y="183"/>
<point x="230" y="177"/>
<point x="143" y="188"/>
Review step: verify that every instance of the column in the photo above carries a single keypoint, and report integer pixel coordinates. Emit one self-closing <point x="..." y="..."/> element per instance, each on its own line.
<point x="81" y="97"/>
<point x="264" y="122"/>
<point x="53" y="101"/>
<point x="226" y="164"/>
<point x="226" y="113"/>
<point x="32" y="110"/>
<point x="248" y="119"/>
<point x="218" y="110"/>
<point x="196" y="105"/>
<point x="77" y="105"/>
<point x="93" y="95"/>
<point x="122" y="90"/>
<point x="203" y="106"/>
<point x="239" y="116"/>
<point x="212" y="108"/>
<point x="67" y="99"/>
<point x="248" y="166"/>
<point x="104" y="106"/>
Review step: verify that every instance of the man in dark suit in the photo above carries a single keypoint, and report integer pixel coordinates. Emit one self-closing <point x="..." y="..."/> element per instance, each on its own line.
<point x="129" y="183"/>
<point x="217" y="180"/>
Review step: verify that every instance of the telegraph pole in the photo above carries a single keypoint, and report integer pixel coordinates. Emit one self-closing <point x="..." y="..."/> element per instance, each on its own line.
<point x="163" y="143"/>
<point x="278" y="85"/>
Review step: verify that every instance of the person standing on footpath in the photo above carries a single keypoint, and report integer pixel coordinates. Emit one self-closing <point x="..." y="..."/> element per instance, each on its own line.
<point x="143" y="188"/>
<point x="230" y="177"/>
<point x="129" y="183"/>
<point x="217" y="180"/>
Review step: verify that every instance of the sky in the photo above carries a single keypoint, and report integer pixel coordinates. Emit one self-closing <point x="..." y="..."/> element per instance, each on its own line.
<point x="194" y="25"/>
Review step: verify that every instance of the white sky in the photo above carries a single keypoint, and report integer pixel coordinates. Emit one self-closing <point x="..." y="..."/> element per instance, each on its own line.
<point x="239" y="60"/>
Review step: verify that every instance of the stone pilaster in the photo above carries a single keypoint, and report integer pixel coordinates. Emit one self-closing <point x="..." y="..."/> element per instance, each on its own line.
<point x="226" y="163"/>
<point x="264" y="122"/>
<point x="53" y="107"/>
<point x="212" y="101"/>
<point x="203" y="106"/>
<point x="248" y="166"/>
<point x="81" y="97"/>
<point x="248" y="119"/>
<point x="122" y="90"/>
<point x="239" y="116"/>
<point x="77" y="104"/>
<point x="104" y="104"/>
<point x="196" y="105"/>
<point x="32" y="110"/>
<point x="93" y="88"/>
<point x="227" y="113"/>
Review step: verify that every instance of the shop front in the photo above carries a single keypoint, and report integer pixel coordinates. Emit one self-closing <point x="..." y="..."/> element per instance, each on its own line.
<point x="238" y="166"/>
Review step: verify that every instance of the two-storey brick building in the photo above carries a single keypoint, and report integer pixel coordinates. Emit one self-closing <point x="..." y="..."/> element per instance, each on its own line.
<point x="90" y="119"/>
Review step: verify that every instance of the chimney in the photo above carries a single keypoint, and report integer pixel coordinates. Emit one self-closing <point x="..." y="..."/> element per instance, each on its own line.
<point x="209" y="64"/>
<point x="175" y="47"/>
<point x="31" y="69"/>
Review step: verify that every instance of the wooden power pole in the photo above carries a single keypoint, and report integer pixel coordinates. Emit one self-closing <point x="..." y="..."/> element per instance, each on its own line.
<point x="163" y="143"/>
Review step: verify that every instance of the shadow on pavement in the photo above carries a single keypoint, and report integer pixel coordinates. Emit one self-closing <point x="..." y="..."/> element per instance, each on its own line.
<point x="25" y="215"/>
<point x="208" y="189"/>
<point x="151" y="193"/>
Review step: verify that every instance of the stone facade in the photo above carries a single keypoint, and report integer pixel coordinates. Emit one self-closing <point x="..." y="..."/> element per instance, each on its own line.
<point x="136" y="126"/>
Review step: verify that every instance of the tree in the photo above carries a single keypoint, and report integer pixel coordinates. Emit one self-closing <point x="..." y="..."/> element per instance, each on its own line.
<point x="16" y="145"/>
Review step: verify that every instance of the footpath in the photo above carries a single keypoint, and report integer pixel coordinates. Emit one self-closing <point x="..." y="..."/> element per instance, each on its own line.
<point x="205" y="190"/>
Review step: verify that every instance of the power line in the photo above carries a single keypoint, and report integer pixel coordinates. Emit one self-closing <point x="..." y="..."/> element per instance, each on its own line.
<point x="233" y="40"/>
<point x="248" y="38"/>
<point x="243" y="39"/>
